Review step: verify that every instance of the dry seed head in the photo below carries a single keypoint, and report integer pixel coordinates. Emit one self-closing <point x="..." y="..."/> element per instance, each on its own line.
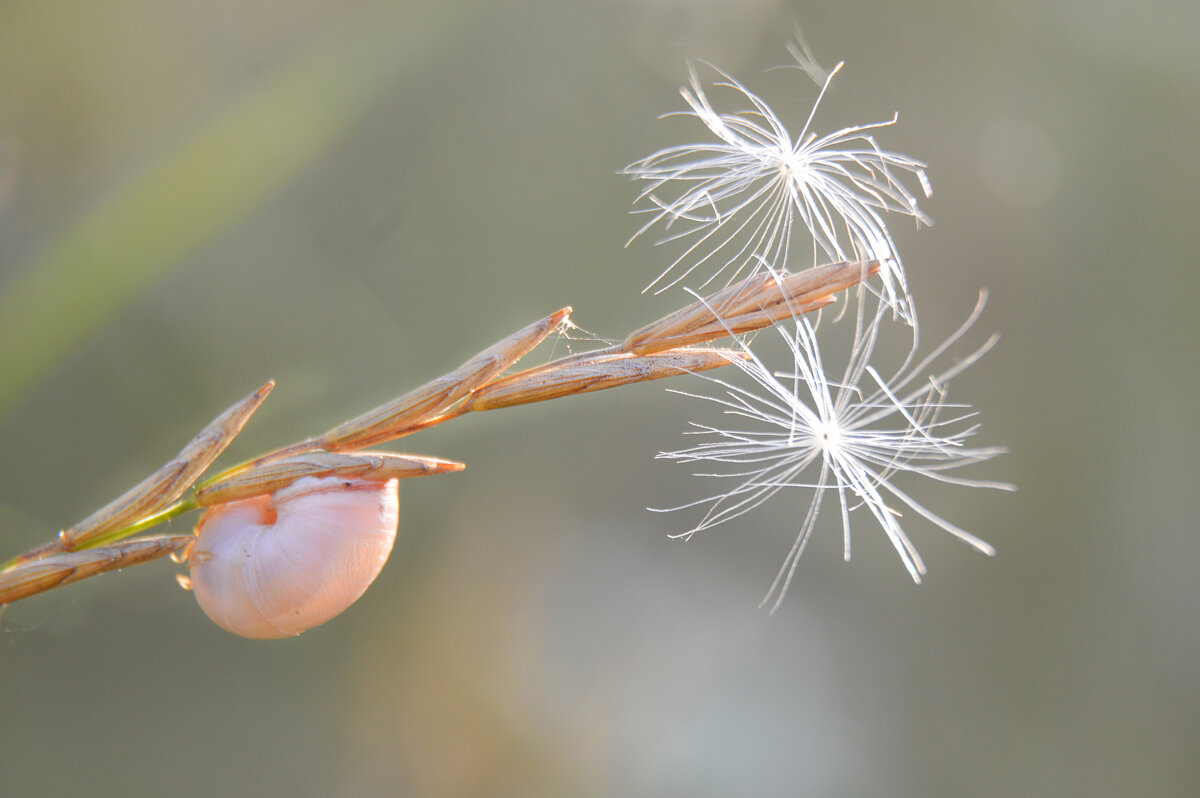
<point x="56" y="570"/>
<point x="735" y="201"/>
<point x="856" y="431"/>
<point x="751" y="304"/>
<point x="169" y="482"/>
<point x="271" y="476"/>
<point x="412" y="411"/>
<point x="595" y="372"/>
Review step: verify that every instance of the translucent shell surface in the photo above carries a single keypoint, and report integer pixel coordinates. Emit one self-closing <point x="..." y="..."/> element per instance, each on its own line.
<point x="274" y="566"/>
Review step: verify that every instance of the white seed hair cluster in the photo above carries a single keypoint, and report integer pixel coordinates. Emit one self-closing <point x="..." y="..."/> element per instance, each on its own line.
<point x="849" y="436"/>
<point x="736" y="200"/>
<point x="735" y="203"/>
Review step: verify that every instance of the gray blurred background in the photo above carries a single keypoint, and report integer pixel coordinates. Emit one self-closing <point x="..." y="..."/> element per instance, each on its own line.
<point x="354" y="197"/>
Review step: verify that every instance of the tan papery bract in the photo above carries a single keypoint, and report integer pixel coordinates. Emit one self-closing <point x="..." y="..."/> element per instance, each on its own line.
<point x="408" y="413"/>
<point x="749" y="305"/>
<point x="63" y="568"/>
<point x="584" y="374"/>
<point x="271" y="476"/>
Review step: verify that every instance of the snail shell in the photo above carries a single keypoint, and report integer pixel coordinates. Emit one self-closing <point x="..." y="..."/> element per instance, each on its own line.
<point x="276" y="565"/>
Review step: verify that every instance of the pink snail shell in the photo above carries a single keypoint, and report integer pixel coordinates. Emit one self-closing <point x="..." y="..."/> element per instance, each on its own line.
<point x="274" y="566"/>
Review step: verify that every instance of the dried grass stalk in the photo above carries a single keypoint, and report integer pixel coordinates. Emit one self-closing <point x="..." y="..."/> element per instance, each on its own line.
<point x="163" y="486"/>
<point x="63" y="568"/>
<point x="749" y="305"/>
<point x="272" y="476"/>
<point x="594" y="372"/>
<point x="656" y="351"/>
<point x="409" y="413"/>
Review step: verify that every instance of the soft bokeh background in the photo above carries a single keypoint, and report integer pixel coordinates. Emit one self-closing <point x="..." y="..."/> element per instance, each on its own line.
<point x="353" y="197"/>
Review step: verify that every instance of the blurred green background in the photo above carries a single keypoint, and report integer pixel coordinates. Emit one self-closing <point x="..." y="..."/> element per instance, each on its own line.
<point x="353" y="197"/>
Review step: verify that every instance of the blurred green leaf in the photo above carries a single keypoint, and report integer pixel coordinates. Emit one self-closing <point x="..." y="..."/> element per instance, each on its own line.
<point x="211" y="182"/>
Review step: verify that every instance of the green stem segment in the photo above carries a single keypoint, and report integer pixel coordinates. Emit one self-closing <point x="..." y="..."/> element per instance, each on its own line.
<point x="171" y="511"/>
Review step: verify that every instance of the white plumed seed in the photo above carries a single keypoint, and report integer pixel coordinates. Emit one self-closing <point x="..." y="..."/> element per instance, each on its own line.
<point x="274" y="566"/>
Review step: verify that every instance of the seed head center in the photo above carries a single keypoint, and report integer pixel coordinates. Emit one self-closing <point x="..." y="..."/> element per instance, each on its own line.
<point x="792" y="168"/>
<point x="828" y="435"/>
